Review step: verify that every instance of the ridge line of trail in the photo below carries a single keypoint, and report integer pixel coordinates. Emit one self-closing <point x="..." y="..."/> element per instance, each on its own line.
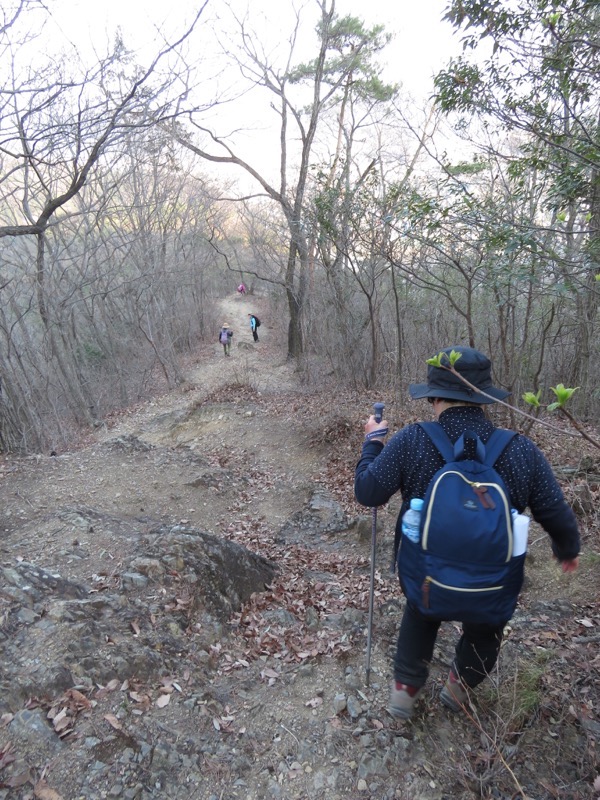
<point x="262" y="366"/>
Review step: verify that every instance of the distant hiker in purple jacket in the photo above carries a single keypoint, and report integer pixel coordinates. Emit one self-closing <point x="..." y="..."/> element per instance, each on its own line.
<point x="225" y="337"/>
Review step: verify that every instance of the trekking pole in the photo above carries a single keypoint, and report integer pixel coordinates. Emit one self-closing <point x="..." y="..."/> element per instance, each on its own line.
<point x="378" y="414"/>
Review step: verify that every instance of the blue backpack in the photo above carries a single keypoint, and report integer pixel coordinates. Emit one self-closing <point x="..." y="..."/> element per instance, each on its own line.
<point x="462" y="568"/>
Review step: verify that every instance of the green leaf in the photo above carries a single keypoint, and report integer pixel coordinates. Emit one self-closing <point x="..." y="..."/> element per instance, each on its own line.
<point x="563" y="394"/>
<point x="533" y="399"/>
<point x="454" y="356"/>
<point x="437" y="361"/>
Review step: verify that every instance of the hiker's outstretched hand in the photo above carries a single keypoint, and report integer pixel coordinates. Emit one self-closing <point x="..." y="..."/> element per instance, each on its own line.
<point x="569" y="564"/>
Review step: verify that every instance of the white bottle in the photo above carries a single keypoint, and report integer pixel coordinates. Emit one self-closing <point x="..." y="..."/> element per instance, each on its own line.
<point x="520" y="524"/>
<point x="411" y="520"/>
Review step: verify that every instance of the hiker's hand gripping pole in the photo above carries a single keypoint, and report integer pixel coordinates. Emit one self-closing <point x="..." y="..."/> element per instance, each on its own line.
<point x="377" y="416"/>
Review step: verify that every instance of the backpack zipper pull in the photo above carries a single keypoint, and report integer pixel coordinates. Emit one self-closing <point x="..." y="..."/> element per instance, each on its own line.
<point x="425" y="591"/>
<point x="483" y="495"/>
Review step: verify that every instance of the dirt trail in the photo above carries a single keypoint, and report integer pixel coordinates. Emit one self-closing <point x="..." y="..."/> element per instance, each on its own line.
<point x="263" y="365"/>
<point x="271" y="703"/>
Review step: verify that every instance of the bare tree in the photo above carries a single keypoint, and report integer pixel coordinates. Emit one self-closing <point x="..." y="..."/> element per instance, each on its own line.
<point x="301" y="95"/>
<point x="62" y="131"/>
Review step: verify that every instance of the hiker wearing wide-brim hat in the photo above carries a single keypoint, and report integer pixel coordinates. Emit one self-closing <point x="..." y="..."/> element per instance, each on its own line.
<point x="473" y="366"/>
<point x="407" y="463"/>
<point x="225" y="337"/>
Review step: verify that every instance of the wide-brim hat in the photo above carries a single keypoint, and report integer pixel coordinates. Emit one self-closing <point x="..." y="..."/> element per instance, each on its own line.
<point x="474" y="366"/>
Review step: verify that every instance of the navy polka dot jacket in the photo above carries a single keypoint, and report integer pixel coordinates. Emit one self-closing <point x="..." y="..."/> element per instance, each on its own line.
<point x="410" y="459"/>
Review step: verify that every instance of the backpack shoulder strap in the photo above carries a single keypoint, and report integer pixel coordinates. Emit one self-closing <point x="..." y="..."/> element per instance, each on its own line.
<point x="440" y="439"/>
<point x="494" y="447"/>
<point x="496" y="444"/>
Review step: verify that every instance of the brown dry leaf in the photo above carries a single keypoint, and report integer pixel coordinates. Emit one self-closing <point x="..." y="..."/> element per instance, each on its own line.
<point x="112" y="720"/>
<point x="56" y="716"/>
<point x="104" y="690"/>
<point x="79" y="698"/>
<point x="269" y="673"/>
<point x="163" y="700"/>
<point x="61" y="723"/>
<point x="6" y="756"/>
<point x="54" y="712"/>
<point x="216" y="724"/>
<point x="7" y="718"/>
<point x="143" y="700"/>
<point x="43" y="792"/>
<point x="18" y="780"/>
<point x="135" y="628"/>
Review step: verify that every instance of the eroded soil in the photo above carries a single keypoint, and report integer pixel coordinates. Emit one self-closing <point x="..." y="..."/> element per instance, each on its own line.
<point x="143" y="693"/>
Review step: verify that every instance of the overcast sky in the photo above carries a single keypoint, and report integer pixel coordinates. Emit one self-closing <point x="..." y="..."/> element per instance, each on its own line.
<point x="422" y="44"/>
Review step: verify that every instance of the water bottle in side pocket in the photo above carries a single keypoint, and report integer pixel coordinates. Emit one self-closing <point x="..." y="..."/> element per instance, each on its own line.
<point x="411" y="521"/>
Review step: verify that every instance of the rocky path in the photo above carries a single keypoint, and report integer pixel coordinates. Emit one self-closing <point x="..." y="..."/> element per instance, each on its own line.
<point x="183" y="608"/>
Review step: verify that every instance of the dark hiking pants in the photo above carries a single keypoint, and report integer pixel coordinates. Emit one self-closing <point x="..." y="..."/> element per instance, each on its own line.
<point x="475" y="654"/>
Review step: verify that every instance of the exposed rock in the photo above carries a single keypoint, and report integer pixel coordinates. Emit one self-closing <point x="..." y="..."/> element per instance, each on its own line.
<point x="128" y="443"/>
<point x="322" y="515"/>
<point x="28" y="584"/>
<point x="226" y="574"/>
<point x="127" y="615"/>
<point x="60" y="633"/>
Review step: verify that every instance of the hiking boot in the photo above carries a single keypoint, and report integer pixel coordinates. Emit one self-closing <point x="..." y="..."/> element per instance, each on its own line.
<point x="454" y="695"/>
<point x="403" y="699"/>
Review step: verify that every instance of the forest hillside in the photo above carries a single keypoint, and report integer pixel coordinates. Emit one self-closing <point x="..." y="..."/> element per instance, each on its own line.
<point x="184" y="598"/>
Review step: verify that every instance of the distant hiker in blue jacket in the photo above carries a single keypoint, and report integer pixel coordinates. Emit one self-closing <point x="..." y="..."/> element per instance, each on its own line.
<point x="254" y="324"/>
<point x="407" y="464"/>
